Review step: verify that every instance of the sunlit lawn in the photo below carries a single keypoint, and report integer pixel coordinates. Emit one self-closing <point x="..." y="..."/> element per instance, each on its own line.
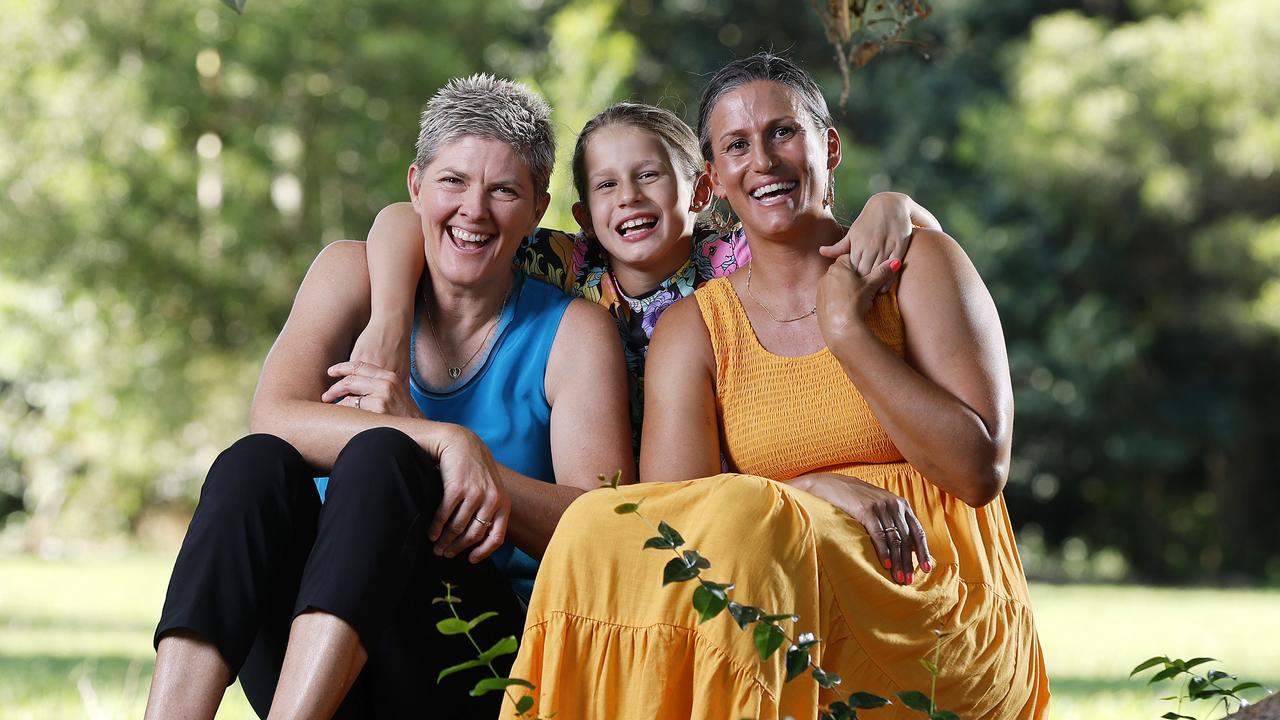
<point x="75" y="639"/>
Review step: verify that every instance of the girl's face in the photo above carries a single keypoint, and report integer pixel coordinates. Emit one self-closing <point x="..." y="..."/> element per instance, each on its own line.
<point x="477" y="202"/>
<point x="639" y="204"/>
<point x="769" y="160"/>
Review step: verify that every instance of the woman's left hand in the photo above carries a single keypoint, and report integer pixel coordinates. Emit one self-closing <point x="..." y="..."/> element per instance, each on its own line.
<point x="845" y="297"/>
<point x="369" y="387"/>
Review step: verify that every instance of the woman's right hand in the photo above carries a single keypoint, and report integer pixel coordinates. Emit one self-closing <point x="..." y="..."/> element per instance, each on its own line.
<point x="890" y="522"/>
<point x="475" y="508"/>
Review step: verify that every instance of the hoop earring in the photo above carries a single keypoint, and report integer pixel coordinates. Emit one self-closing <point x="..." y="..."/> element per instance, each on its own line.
<point x="830" y="198"/>
<point x="720" y="222"/>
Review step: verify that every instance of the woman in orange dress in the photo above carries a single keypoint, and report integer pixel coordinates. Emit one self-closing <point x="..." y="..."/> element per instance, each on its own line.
<point x="870" y="438"/>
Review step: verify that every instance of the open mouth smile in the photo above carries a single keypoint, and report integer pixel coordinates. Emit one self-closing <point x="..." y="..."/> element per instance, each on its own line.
<point x="637" y="226"/>
<point x="774" y="190"/>
<point x="467" y="240"/>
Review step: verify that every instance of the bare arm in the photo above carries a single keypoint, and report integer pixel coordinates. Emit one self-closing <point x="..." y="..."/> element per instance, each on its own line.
<point x="681" y="435"/>
<point x="331" y="306"/>
<point x="949" y="405"/>
<point x="396" y="262"/>
<point x="590" y="431"/>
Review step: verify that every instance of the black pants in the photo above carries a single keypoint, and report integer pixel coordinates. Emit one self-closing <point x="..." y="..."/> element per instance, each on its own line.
<point x="261" y="549"/>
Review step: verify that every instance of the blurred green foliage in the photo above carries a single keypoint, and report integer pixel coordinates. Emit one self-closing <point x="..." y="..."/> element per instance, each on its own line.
<point x="168" y="171"/>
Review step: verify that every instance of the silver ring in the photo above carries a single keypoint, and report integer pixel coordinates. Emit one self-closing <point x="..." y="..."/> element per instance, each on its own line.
<point x="890" y="529"/>
<point x="358" y="399"/>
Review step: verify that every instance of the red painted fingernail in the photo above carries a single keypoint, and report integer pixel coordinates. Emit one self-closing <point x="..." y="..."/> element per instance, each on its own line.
<point x="901" y="577"/>
<point x="887" y="564"/>
<point x="911" y="577"/>
<point x="926" y="566"/>
<point x="894" y="264"/>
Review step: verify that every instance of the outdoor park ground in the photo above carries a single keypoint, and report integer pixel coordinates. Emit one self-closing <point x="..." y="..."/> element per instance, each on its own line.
<point x="75" y="639"/>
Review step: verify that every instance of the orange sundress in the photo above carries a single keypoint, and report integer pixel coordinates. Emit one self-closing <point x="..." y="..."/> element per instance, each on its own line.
<point x="604" y="639"/>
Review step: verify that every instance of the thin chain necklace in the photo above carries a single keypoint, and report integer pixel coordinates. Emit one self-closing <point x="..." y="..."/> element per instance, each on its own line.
<point x="769" y="312"/>
<point x="455" y="371"/>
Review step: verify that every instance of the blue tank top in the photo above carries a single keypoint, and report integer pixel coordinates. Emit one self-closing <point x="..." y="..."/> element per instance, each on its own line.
<point x="505" y="403"/>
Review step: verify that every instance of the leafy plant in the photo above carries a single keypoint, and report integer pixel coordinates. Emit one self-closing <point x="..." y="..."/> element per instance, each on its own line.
<point x="1197" y="686"/>
<point x="860" y="29"/>
<point x="484" y="658"/>
<point x="712" y="598"/>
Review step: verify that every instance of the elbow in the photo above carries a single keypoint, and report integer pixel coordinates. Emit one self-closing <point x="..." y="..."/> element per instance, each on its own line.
<point x="983" y="484"/>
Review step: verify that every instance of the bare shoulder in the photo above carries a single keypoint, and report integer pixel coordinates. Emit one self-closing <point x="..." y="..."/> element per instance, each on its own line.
<point x="585" y="319"/>
<point x="339" y="275"/>
<point x="397" y="212"/>
<point x="936" y="269"/>
<point x="681" y="338"/>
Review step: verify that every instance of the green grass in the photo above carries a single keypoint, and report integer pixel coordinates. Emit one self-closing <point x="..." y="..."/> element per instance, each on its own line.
<point x="75" y="639"/>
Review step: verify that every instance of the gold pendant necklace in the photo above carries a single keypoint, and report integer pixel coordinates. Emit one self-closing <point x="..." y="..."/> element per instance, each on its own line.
<point x="769" y="312"/>
<point x="455" y="371"/>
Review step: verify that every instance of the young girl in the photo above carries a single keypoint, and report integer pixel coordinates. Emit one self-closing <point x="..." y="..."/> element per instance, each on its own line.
<point x="639" y="176"/>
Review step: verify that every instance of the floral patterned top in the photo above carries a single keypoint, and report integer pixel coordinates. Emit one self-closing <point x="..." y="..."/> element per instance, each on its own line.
<point x="581" y="267"/>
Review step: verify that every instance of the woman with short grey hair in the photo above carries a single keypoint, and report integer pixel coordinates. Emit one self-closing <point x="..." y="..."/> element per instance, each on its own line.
<point x="322" y="602"/>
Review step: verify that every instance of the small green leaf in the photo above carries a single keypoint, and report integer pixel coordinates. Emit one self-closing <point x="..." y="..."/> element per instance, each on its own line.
<point x="1198" y="661"/>
<point x="658" y="543"/>
<point x="717" y="589"/>
<point x="777" y="618"/>
<point x="611" y="481"/>
<point x="840" y="710"/>
<point x="825" y="679"/>
<point x="524" y="704"/>
<point x="706" y="602"/>
<point x="677" y="571"/>
<point x="452" y="626"/>
<point x="1148" y="663"/>
<point x="670" y="534"/>
<point x="916" y="700"/>
<point x="1165" y="674"/>
<point x="458" y="668"/>
<point x="1245" y="686"/>
<point x="867" y="701"/>
<point x="1215" y="675"/>
<point x="928" y="665"/>
<point x="237" y="5"/>
<point x="481" y="618"/>
<point x="806" y="641"/>
<point x="627" y="508"/>
<point x="505" y="646"/>
<point x="943" y="715"/>
<point x="797" y="662"/>
<point x="694" y="560"/>
<point x="490" y="684"/>
<point x="1175" y="716"/>
<point x="744" y="615"/>
<point x="448" y="600"/>
<point x="768" y="639"/>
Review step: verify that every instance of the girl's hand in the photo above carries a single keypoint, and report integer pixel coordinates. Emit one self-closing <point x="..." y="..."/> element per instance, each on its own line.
<point x="845" y="297"/>
<point x="475" y="508"/>
<point x="384" y="343"/>
<point x="892" y="525"/>
<point x="882" y="231"/>
<point x="368" y="387"/>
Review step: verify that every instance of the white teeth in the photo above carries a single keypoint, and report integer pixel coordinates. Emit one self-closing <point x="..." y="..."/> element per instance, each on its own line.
<point x="771" y="187"/>
<point x="469" y="237"/>
<point x="636" y="222"/>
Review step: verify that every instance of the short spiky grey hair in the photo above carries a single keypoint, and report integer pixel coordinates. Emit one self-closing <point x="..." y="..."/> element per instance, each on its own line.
<point x="488" y="107"/>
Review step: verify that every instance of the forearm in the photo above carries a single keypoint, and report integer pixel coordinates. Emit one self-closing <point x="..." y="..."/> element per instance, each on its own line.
<point x="947" y="441"/>
<point x="396" y="262"/>
<point x="319" y="430"/>
<point x="536" y="508"/>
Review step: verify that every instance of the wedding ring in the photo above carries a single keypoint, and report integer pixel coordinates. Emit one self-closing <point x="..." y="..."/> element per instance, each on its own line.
<point x="485" y="523"/>
<point x="358" y="399"/>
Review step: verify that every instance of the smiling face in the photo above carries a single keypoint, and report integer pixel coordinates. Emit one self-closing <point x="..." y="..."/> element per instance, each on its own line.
<point x="769" y="159"/>
<point x="638" y="201"/>
<point x="477" y="201"/>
